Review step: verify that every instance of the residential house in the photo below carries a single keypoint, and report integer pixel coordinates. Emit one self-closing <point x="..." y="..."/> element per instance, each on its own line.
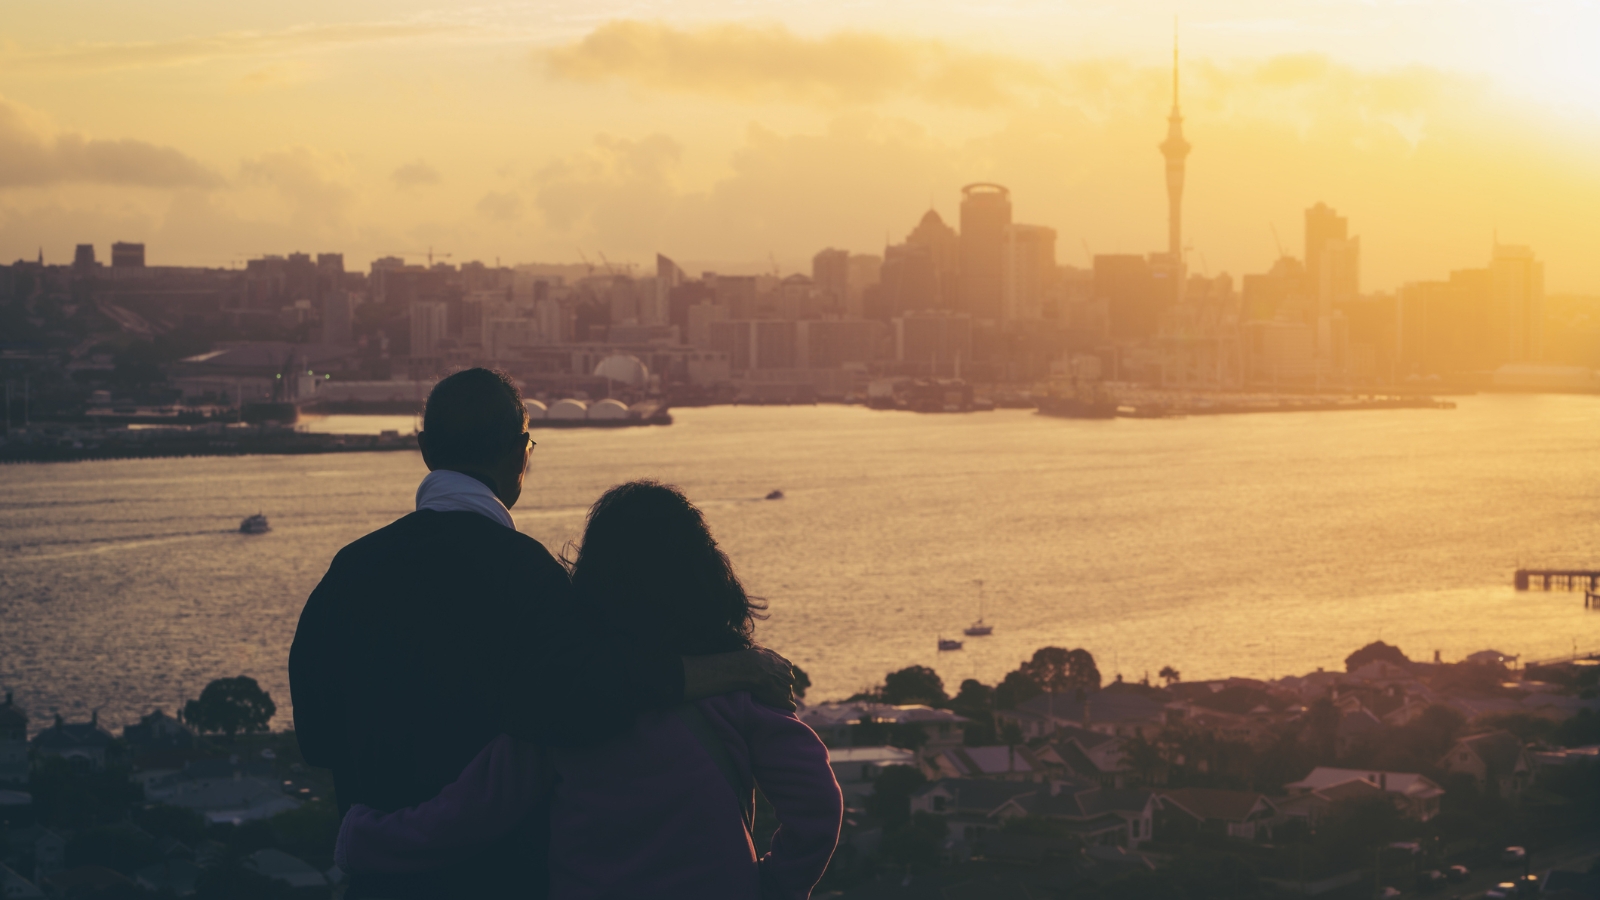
<point x="998" y="762"/>
<point x="1119" y="711"/>
<point x="156" y="732"/>
<point x="1238" y="814"/>
<point x="968" y="805"/>
<point x="1087" y="754"/>
<point x="85" y="881"/>
<point x="833" y="722"/>
<point x="35" y="850"/>
<point x="13" y="744"/>
<point x="857" y="768"/>
<point x="85" y="743"/>
<point x="15" y="887"/>
<point x="1496" y="760"/>
<point x="1096" y="814"/>
<point x="1356" y="727"/>
<point x="1415" y="795"/>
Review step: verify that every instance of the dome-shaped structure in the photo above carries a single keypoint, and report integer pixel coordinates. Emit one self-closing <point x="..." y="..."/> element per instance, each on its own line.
<point x="623" y="369"/>
<point x="536" y="409"/>
<point x="609" y="409"/>
<point x="568" y="409"/>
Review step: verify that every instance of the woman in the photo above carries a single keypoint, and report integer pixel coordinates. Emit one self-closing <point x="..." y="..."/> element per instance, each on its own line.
<point x="662" y="811"/>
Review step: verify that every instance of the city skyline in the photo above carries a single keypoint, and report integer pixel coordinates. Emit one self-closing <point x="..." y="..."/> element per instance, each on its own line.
<point x="637" y="152"/>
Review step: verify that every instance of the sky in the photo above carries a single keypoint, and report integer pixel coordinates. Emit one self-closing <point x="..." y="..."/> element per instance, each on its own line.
<point x="748" y="135"/>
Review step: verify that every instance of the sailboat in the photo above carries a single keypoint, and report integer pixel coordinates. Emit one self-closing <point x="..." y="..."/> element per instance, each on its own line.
<point x="979" y="628"/>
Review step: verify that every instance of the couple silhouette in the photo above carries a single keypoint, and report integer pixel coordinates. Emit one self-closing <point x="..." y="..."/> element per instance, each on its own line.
<point x="503" y="724"/>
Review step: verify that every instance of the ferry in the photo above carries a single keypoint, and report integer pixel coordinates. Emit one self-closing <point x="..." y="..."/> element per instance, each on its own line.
<point x="256" y="524"/>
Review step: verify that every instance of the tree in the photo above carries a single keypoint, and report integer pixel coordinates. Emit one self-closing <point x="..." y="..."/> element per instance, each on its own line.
<point x="1058" y="670"/>
<point x="914" y="684"/>
<point x="915" y="844"/>
<point x="890" y="800"/>
<point x="231" y="706"/>
<point x="1377" y="650"/>
<point x="975" y="700"/>
<point x="1014" y="690"/>
<point x="68" y="795"/>
<point x="1169" y="675"/>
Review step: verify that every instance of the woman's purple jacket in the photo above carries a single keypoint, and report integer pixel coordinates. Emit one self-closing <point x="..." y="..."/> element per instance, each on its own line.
<point x="647" y="814"/>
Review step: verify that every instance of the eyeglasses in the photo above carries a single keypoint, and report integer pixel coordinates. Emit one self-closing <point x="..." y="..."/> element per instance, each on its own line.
<point x="527" y="439"/>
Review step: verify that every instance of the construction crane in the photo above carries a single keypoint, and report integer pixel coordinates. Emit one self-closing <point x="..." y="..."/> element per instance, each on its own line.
<point x="588" y="265"/>
<point x="428" y="253"/>
<point x="776" y="272"/>
<point x="1275" y="240"/>
<point x="611" y="268"/>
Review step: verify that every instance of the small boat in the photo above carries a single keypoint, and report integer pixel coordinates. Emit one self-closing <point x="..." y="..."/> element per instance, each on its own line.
<point x="256" y="524"/>
<point x="948" y="644"/>
<point x="979" y="628"/>
<point x="775" y="495"/>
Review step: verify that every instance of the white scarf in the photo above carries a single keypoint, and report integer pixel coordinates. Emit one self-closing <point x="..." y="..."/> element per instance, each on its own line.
<point x="447" y="491"/>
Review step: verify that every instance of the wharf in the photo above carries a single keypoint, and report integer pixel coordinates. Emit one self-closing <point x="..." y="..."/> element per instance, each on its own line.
<point x="78" y="445"/>
<point x="1587" y="580"/>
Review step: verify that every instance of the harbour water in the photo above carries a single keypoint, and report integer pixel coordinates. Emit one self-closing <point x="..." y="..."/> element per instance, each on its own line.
<point x="1231" y="545"/>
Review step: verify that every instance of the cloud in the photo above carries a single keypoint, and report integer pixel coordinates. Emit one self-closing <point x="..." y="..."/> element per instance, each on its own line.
<point x="231" y="45"/>
<point x="415" y="174"/>
<point x="33" y="152"/>
<point x="500" y="206"/>
<point x="757" y="62"/>
<point x="317" y="199"/>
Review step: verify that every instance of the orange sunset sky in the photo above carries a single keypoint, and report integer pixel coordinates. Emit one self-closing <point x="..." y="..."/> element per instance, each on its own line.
<point x="729" y="133"/>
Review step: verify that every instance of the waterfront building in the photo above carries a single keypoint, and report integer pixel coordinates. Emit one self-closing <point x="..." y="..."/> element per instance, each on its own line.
<point x="932" y="342"/>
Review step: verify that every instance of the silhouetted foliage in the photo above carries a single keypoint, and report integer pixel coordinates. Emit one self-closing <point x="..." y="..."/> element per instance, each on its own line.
<point x="890" y="800"/>
<point x="914" y="684"/>
<point x="1352" y="827"/>
<point x="1377" y="650"/>
<point x="1192" y="876"/>
<point x="974" y="700"/>
<point x="308" y="832"/>
<point x="69" y="795"/>
<point x="1581" y="730"/>
<point x="1169" y="675"/>
<point x="177" y="822"/>
<point x="231" y="706"/>
<point x="1061" y="670"/>
<point x="1014" y="690"/>
<point x="906" y="735"/>
<point x="914" y="844"/>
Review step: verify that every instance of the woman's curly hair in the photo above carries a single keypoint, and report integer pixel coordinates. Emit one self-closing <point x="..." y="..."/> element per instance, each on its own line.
<point x="648" y="558"/>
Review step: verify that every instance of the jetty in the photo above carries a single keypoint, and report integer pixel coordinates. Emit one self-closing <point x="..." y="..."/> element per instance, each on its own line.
<point x="1587" y="580"/>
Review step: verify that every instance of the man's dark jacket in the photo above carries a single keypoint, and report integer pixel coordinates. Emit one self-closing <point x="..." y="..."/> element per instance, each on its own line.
<point x="429" y="637"/>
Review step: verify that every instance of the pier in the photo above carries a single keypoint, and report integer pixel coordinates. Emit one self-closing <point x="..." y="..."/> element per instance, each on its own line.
<point x="1559" y="580"/>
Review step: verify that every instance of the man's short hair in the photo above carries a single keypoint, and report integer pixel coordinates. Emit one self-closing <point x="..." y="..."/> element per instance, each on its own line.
<point x="473" y="417"/>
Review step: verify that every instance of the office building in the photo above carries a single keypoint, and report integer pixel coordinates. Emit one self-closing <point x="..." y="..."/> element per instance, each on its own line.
<point x="127" y="256"/>
<point x="1029" y="270"/>
<point x="985" y="213"/>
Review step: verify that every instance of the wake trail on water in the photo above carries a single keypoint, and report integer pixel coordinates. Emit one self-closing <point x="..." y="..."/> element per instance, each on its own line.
<point x="112" y="545"/>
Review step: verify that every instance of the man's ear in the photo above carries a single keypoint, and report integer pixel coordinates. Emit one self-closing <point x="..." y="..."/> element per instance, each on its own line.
<point x="422" y="444"/>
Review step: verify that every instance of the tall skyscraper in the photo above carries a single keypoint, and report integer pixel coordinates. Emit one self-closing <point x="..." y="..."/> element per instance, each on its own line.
<point x="1030" y="269"/>
<point x="985" y="213"/>
<point x="1176" y="151"/>
<point x="1518" y="301"/>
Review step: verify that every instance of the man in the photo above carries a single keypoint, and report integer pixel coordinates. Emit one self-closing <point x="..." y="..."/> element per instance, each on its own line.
<point x="432" y="635"/>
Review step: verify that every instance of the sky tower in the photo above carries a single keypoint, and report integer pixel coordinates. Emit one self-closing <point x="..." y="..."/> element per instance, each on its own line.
<point x="1176" y="150"/>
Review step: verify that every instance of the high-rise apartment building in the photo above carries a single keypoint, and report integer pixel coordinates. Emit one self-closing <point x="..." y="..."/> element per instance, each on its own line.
<point x="428" y="323"/>
<point x="83" y="256"/>
<point x="985" y="213"/>
<point x="830" y="275"/>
